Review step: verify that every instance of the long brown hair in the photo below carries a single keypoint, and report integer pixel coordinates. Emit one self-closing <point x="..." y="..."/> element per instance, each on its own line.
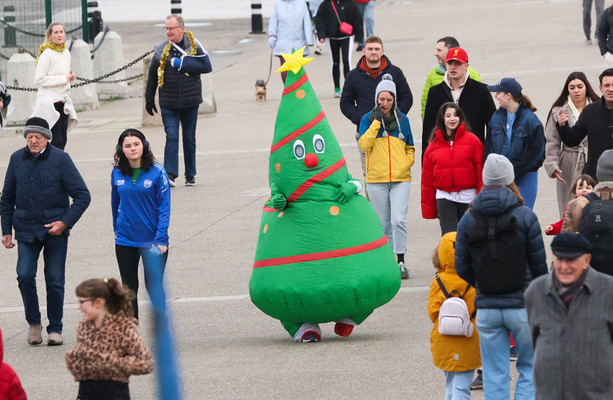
<point x="440" y="121"/>
<point x="515" y="190"/>
<point x="121" y="161"/>
<point x="116" y="297"/>
<point x="563" y="97"/>
<point x="525" y="102"/>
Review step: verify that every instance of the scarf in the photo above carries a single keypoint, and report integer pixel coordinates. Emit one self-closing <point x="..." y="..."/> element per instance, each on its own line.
<point x="193" y="48"/>
<point x="568" y="293"/>
<point x="390" y="124"/>
<point x="573" y="109"/>
<point x="50" y="45"/>
<point x="373" y="72"/>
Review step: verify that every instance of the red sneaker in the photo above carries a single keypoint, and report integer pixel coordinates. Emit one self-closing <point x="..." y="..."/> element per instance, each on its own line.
<point x="342" y="329"/>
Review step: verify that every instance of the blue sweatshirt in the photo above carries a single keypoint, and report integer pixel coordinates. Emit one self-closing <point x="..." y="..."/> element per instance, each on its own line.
<point x="141" y="211"/>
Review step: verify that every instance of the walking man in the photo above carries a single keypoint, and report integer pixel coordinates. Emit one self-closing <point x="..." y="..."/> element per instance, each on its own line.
<point x="358" y="95"/>
<point x="569" y="312"/>
<point x="457" y="86"/>
<point x="40" y="180"/>
<point x="175" y="69"/>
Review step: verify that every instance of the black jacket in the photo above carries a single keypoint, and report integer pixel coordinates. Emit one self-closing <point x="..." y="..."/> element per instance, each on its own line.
<point x="605" y="31"/>
<point x="358" y="95"/>
<point x="327" y="24"/>
<point x="595" y="122"/>
<point x="475" y="101"/>
<point x="182" y="86"/>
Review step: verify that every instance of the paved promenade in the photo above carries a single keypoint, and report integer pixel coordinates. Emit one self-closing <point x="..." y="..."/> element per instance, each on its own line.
<point x="228" y="348"/>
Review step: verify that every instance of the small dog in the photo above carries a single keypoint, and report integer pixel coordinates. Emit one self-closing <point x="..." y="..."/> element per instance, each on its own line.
<point x="260" y="90"/>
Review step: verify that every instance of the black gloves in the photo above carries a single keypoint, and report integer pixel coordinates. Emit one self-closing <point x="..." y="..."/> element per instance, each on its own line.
<point x="150" y="108"/>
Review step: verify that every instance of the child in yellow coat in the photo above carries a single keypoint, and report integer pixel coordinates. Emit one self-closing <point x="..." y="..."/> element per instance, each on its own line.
<point x="457" y="356"/>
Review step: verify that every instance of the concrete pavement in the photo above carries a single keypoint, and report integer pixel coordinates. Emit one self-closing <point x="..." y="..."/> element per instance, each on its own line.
<point x="228" y="348"/>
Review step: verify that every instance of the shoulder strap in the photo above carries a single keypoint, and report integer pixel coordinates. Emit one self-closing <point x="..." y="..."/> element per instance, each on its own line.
<point x="440" y="283"/>
<point x="592" y="196"/>
<point x="335" y="12"/>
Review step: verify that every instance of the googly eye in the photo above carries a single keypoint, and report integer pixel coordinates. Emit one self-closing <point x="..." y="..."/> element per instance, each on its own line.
<point x="299" y="149"/>
<point x="319" y="144"/>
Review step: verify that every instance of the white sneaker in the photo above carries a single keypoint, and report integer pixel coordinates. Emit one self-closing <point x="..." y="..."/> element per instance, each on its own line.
<point x="405" y="272"/>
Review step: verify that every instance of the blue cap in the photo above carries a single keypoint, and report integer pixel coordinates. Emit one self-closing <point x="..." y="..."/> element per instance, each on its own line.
<point x="507" y="85"/>
<point x="569" y="245"/>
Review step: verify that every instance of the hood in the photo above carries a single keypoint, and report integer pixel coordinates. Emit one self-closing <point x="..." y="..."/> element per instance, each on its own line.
<point x="494" y="200"/>
<point x="446" y="253"/>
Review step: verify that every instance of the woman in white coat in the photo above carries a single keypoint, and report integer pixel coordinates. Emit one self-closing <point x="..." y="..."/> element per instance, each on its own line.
<point x="53" y="77"/>
<point x="289" y="28"/>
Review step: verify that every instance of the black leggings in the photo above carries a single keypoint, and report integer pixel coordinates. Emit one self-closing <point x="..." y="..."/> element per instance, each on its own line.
<point x="59" y="130"/>
<point x="103" y="390"/>
<point x="449" y="214"/>
<point x="338" y="46"/>
<point x="128" y="258"/>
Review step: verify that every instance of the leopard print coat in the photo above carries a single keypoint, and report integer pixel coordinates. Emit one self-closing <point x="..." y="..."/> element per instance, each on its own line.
<point x="112" y="352"/>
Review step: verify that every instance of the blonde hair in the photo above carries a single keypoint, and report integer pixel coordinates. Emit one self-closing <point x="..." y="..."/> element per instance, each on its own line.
<point x="50" y="29"/>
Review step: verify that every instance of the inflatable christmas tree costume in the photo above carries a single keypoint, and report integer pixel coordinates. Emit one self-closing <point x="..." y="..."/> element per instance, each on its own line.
<point x="321" y="254"/>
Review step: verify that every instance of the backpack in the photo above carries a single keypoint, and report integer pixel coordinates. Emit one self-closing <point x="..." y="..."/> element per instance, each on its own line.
<point x="453" y="316"/>
<point x="498" y="254"/>
<point x="596" y="225"/>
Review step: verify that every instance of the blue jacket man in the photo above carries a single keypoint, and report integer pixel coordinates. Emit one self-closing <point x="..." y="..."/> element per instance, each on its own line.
<point x="175" y="70"/>
<point x="39" y="182"/>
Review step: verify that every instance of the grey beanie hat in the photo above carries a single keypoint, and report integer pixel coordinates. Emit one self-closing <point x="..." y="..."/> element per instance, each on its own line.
<point x="37" y="125"/>
<point x="604" y="170"/>
<point x="498" y="170"/>
<point x="386" y="85"/>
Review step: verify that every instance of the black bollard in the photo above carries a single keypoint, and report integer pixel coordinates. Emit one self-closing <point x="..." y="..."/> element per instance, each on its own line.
<point x="10" y="34"/>
<point x="256" y="17"/>
<point x="95" y="23"/>
<point x="175" y="7"/>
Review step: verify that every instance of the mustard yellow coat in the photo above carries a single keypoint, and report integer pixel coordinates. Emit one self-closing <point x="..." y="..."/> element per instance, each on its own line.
<point x="451" y="353"/>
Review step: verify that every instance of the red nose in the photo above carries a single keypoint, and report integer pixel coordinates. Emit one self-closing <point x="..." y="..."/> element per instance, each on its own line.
<point x="311" y="160"/>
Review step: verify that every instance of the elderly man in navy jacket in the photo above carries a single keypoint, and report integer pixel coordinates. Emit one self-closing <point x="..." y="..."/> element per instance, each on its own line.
<point x="39" y="182"/>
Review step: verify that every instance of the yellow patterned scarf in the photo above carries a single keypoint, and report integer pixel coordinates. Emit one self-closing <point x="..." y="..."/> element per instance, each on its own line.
<point x="192" y="51"/>
<point x="50" y="45"/>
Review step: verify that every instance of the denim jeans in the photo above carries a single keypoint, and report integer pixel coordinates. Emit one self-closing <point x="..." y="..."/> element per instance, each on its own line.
<point x="54" y="255"/>
<point x="368" y="14"/>
<point x="391" y="203"/>
<point x="494" y="326"/>
<point x="528" y="185"/>
<point x="457" y="384"/>
<point x="187" y="117"/>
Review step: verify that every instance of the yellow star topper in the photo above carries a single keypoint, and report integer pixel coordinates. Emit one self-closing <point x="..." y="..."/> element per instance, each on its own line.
<point x="295" y="61"/>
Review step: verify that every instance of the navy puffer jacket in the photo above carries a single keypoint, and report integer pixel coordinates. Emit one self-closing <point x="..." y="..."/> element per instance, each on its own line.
<point x="495" y="200"/>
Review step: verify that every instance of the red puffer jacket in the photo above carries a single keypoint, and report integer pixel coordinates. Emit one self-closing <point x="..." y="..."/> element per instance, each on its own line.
<point x="450" y="168"/>
<point x="10" y="386"/>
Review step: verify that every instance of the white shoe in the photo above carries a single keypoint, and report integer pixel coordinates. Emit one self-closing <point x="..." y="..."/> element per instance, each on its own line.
<point x="405" y="273"/>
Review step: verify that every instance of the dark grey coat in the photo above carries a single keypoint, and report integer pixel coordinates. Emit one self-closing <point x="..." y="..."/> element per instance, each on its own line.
<point x="573" y="349"/>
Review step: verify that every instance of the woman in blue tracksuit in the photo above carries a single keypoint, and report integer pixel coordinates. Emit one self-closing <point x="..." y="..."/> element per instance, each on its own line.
<point x="140" y="200"/>
<point x="516" y="132"/>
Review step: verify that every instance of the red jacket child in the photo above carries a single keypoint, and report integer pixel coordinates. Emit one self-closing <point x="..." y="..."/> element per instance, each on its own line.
<point x="10" y="386"/>
<point x="450" y="168"/>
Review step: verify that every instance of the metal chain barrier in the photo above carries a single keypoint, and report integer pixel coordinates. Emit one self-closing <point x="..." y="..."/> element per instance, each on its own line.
<point x="99" y="79"/>
<point x="35" y="34"/>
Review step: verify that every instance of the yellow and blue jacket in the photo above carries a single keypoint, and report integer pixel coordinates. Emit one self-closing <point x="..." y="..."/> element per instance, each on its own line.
<point x="389" y="155"/>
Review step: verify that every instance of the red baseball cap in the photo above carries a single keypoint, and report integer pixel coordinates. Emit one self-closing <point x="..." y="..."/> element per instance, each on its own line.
<point x="457" y="54"/>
